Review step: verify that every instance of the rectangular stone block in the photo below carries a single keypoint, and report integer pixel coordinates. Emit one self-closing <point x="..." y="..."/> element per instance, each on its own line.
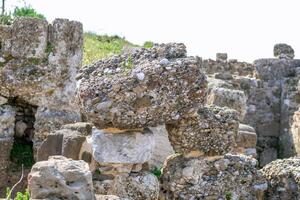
<point x="29" y="38"/>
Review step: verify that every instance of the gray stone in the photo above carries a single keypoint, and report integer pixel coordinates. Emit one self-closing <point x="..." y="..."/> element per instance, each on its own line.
<point x="61" y="178"/>
<point x="143" y="94"/>
<point x="234" y="99"/>
<point x="211" y="178"/>
<point x="127" y="147"/>
<point x="72" y="142"/>
<point x="35" y="31"/>
<point x="20" y="128"/>
<point x="141" y="186"/>
<point x="51" y="146"/>
<point x="7" y="121"/>
<point x="221" y="57"/>
<point x="267" y="156"/>
<point x="283" y="179"/>
<point x="283" y="51"/>
<point x="83" y="127"/>
<point x="213" y="131"/>
<point x="246" y="139"/>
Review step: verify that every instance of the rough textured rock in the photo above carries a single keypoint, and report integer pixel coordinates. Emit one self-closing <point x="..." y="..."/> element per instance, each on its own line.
<point x="67" y="142"/>
<point x="109" y="197"/>
<point x="283" y="51"/>
<point x="127" y="147"/>
<point x="234" y="99"/>
<point x="7" y="121"/>
<point x="247" y="137"/>
<point x="143" y="89"/>
<point x="3" y="100"/>
<point x="212" y="131"/>
<point x="140" y="186"/>
<point x="267" y="156"/>
<point x="283" y="179"/>
<point x="224" y="177"/>
<point x="60" y="178"/>
<point x="221" y="57"/>
<point x="162" y="148"/>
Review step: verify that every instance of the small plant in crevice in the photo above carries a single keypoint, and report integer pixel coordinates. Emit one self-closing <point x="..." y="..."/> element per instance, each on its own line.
<point x="129" y="63"/>
<point x="156" y="171"/>
<point x="228" y="196"/>
<point x="22" y="153"/>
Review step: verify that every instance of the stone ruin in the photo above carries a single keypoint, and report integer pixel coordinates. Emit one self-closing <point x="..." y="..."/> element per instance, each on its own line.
<point x="220" y="129"/>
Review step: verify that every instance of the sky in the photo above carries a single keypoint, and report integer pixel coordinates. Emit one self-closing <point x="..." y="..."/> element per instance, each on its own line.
<point x="245" y="29"/>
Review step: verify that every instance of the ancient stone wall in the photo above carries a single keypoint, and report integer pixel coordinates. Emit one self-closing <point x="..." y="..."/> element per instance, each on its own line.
<point x="38" y="65"/>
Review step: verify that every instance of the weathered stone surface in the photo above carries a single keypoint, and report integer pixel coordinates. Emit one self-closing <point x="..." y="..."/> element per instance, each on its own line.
<point x="283" y="179"/>
<point x="246" y="139"/>
<point x="212" y="131"/>
<point x="229" y="176"/>
<point x="7" y="121"/>
<point x="275" y="69"/>
<point x="5" y="148"/>
<point x="35" y="31"/>
<point x="141" y="186"/>
<point x="162" y="148"/>
<point x="127" y="147"/>
<point x="83" y="127"/>
<point x="283" y="51"/>
<point x="234" y="99"/>
<point x="61" y="178"/>
<point x="5" y="39"/>
<point x="137" y="90"/>
<point x="267" y="156"/>
<point x="296" y="132"/>
<point x="51" y="146"/>
<point x="245" y="127"/>
<point x="72" y="142"/>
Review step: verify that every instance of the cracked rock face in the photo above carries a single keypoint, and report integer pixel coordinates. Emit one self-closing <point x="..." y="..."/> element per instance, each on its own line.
<point x="126" y="147"/>
<point x="224" y="177"/>
<point x="145" y="88"/>
<point x="212" y="131"/>
<point x="283" y="179"/>
<point x="7" y="121"/>
<point x="61" y="178"/>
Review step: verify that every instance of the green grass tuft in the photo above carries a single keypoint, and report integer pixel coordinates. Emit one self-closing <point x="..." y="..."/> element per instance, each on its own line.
<point x="148" y="44"/>
<point x="22" y="153"/>
<point x="156" y="171"/>
<point x="101" y="46"/>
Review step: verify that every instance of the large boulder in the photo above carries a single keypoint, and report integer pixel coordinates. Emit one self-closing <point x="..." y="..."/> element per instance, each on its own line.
<point x="283" y="179"/>
<point x="134" y="146"/>
<point x="223" y="177"/>
<point x="143" y="89"/>
<point x="60" y="178"/>
<point x="212" y="131"/>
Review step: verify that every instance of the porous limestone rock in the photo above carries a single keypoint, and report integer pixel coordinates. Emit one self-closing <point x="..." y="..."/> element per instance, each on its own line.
<point x="283" y="179"/>
<point x="222" y="177"/>
<point x="137" y="186"/>
<point x="61" y="178"/>
<point x="234" y="99"/>
<point x="212" y="131"/>
<point x="247" y="137"/>
<point x="283" y="51"/>
<point x="132" y="146"/>
<point x="35" y="31"/>
<point x="267" y="156"/>
<point x="7" y="121"/>
<point x="139" y="90"/>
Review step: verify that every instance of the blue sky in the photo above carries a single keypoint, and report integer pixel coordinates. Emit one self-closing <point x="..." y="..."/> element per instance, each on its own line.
<point x="245" y="29"/>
